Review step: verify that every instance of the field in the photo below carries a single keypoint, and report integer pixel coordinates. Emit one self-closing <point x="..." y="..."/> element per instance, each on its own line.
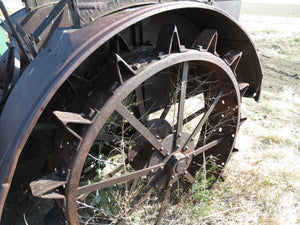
<point x="262" y="181"/>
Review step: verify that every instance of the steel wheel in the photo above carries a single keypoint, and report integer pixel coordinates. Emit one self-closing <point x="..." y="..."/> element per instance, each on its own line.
<point x="148" y="131"/>
<point x="135" y="137"/>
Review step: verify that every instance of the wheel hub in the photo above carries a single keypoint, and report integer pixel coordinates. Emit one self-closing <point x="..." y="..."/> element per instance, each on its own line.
<point x="178" y="163"/>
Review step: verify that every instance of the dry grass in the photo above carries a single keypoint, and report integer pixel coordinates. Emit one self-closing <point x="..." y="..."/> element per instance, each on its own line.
<point x="262" y="181"/>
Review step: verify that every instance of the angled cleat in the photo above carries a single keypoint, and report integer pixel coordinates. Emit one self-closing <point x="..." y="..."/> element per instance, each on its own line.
<point x="46" y="186"/>
<point x="208" y="40"/>
<point x="243" y="88"/>
<point x="69" y="117"/>
<point x="119" y="68"/>
<point x="119" y="44"/>
<point x="232" y="58"/>
<point x="168" y="39"/>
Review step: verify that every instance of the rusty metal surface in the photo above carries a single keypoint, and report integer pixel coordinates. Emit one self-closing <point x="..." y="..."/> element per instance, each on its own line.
<point x="168" y="160"/>
<point x="34" y="4"/>
<point x="41" y="34"/>
<point x="65" y="51"/>
<point x="90" y="10"/>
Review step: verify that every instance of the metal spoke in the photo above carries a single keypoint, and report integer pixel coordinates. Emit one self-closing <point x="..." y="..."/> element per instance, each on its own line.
<point x="141" y="129"/>
<point x="164" y="204"/>
<point x="207" y="146"/>
<point x="166" y="111"/>
<point x="204" y="118"/>
<point x="182" y="100"/>
<point x="116" y="180"/>
<point x="189" y="177"/>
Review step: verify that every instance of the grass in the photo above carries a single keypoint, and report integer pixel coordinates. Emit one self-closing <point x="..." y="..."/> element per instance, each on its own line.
<point x="262" y="181"/>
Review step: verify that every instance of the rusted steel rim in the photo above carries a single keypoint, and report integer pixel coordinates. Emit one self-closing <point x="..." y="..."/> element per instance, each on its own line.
<point x="113" y="103"/>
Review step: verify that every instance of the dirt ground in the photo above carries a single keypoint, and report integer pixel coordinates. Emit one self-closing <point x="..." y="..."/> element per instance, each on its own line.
<point x="262" y="181"/>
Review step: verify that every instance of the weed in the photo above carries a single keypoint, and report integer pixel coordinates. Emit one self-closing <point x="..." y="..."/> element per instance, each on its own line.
<point x="296" y="40"/>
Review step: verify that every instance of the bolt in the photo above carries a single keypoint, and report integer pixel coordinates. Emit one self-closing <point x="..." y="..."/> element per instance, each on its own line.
<point x="136" y="66"/>
<point x="199" y="47"/>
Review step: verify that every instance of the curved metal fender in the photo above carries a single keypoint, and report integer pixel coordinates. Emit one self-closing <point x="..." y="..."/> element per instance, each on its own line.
<point x="68" y="48"/>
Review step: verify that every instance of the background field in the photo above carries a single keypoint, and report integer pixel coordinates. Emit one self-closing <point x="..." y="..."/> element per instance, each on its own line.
<point x="262" y="181"/>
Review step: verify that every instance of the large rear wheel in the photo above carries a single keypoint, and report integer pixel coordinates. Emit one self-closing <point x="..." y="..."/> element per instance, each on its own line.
<point x="149" y="135"/>
<point x="136" y="137"/>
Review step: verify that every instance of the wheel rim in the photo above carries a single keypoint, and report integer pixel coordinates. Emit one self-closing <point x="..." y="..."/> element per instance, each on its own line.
<point x="178" y="152"/>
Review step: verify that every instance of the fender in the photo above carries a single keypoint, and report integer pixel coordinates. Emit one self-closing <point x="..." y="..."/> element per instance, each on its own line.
<point x="68" y="48"/>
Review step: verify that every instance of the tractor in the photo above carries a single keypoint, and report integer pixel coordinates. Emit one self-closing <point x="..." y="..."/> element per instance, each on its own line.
<point x="113" y="109"/>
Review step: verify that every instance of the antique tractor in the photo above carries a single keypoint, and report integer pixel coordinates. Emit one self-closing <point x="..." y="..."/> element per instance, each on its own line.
<point x="112" y="108"/>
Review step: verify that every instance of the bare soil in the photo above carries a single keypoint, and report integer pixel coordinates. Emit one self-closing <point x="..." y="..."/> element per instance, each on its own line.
<point x="262" y="181"/>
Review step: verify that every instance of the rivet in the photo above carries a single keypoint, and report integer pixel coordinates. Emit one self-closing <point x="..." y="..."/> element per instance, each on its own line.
<point x="156" y="185"/>
<point x="179" y="135"/>
<point x="173" y="177"/>
<point x="161" y="148"/>
<point x="136" y="66"/>
<point x="161" y="167"/>
<point x="152" y="170"/>
<point x="186" y="148"/>
<point x="170" y="185"/>
<point x="177" y="146"/>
